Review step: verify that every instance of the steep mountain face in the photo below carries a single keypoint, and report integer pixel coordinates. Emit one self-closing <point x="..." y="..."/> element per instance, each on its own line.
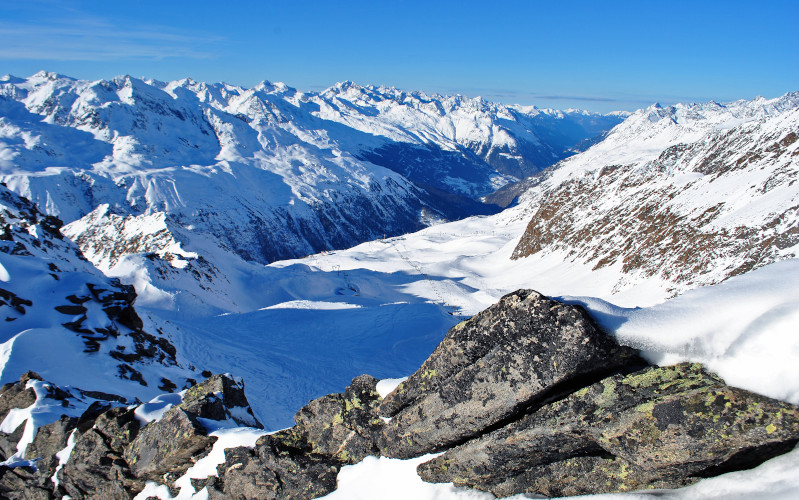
<point x="269" y="172"/>
<point x="689" y="194"/>
<point x="67" y="320"/>
<point x="261" y="191"/>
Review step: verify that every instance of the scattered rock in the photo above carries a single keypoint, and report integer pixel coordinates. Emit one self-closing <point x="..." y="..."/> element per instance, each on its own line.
<point x="11" y="299"/>
<point x="274" y="471"/>
<point x="220" y="398"/>
<point x="71" y="309"/>
<point x="302" y="462"/>
<point x="524" y="350"/>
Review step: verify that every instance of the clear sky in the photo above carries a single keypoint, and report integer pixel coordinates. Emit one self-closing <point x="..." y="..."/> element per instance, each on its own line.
<point x="597" y="55"/>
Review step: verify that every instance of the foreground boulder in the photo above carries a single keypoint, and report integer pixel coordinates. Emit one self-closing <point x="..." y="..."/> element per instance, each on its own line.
<point x="663" y="427"/>
<point x="516" y="354"/>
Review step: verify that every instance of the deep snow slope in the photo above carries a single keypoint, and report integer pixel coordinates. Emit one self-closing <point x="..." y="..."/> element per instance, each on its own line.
<point x="269" y="172"/>
<point x="64" y="319"/>
<point x="689" y="194"/>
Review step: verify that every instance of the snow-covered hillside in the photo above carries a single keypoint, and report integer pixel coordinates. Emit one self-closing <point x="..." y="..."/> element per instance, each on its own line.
<point x="690" y="194"/>
<point x="66" y="320"/>
<point x="515" y="141"/>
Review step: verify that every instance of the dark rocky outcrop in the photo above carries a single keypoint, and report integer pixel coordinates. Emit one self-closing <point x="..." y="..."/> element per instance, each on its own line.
<point x="515" y="354"/>
<point x="24" y="483"/>
<point x="274" y="470"/>
<point x="220" y="398"/>
<point x="167" y="446"/>
<point x="97" y="468"/>
<point x="342" y="426"/>
<point x="49" y="440"/>
<point x="113" y="452"/>
<point x="17" y="395"/>
<point x="302" y="462"/>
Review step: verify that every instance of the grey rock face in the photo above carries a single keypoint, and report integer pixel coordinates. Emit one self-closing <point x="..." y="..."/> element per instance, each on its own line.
<point x="274" y="470"/>
<point x="17" y="395"/>
<point x="661" y="427"/>
<point x="97" y="468"/>
<point x="49" y="440"/>
<point x="218" y="398"/>
<point x="344" y="427"/>
<point x="24" y="483"/>
<point x="167" y="445"/>
<point x="302" y="462"/>
<point x="515" y="354"/>
<point x="166" y="448"/>
<point x="36" y="483"/>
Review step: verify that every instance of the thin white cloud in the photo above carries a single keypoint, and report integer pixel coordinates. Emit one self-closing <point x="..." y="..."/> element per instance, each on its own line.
<point x="96" y="40"/>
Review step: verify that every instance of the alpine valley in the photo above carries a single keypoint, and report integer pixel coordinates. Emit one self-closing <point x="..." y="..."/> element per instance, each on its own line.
<point x="581" y="303"/>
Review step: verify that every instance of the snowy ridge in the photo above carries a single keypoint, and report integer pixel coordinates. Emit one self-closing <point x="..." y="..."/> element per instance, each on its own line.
<point x="516" y="141"/>
<point x="691" y="194"/>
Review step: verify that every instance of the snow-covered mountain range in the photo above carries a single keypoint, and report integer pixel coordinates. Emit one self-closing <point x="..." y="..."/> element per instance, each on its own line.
<point x="270" y="172"/>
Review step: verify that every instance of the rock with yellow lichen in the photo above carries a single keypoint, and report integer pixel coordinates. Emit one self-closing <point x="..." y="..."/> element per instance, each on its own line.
<point x="302" y="462"/>
<point x="522" y="351"/>
<point x="661" y="427"/>
<point x="343" y="426"/>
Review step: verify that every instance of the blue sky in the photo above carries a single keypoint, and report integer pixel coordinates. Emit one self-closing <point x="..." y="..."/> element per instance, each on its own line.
<point x="594" y="55"/>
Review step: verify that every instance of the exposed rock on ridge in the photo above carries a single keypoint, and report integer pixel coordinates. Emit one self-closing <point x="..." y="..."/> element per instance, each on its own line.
<point x="657" y="428"/>
<point x="106" y="450"/>
<point x="504" y="360"/>
<point x="691" y="194"/>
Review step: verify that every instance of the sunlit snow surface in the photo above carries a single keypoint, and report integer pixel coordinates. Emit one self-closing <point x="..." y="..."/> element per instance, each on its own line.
<point x="745" y="329"/>
<point x="397" y="297"/>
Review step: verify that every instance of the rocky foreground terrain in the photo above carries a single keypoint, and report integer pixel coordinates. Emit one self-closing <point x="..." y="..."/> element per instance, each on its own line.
<point x="527" y="396"/>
